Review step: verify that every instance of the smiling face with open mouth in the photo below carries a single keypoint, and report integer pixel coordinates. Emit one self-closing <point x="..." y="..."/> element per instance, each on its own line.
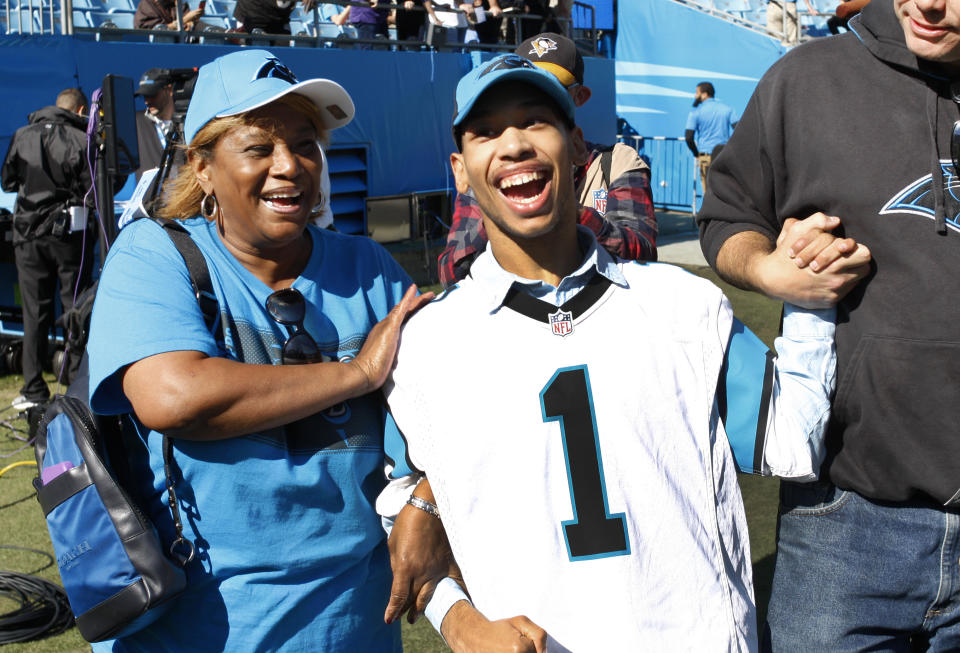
<point x="266" y="177"/>
<point x="517" y="156"/>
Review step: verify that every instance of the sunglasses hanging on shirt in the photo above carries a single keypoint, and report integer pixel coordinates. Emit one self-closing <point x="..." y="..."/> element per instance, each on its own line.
<point x="289" y="308"/>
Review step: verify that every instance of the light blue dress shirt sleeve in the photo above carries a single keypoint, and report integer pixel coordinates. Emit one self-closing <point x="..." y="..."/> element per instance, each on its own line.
<point x="775" y="410"/>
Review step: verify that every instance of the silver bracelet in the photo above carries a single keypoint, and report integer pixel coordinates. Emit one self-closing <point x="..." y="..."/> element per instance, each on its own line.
<point x="423" y="505"/>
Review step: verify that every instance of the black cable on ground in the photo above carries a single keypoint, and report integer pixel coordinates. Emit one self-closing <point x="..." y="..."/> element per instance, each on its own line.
<point x="44" y="610"/>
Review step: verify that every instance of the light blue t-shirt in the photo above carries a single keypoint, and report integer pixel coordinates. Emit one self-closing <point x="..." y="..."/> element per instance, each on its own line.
<point x="713" y="121"/>
<point x="291" y="555"/>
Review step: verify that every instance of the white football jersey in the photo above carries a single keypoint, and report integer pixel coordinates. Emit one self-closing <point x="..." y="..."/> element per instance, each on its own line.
<point x="580" y="476"/>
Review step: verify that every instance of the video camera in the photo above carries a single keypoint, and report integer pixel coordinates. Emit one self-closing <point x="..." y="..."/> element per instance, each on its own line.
<point x="183" y="80"/>
<point x="117" y="134"/>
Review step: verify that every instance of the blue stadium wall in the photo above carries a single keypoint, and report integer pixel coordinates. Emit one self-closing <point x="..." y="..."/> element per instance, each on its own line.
<point x="404" y="100"/>
<point x="665" y="48"/>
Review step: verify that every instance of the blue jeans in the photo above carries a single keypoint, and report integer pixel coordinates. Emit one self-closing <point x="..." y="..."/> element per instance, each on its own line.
<point x="855" y="575"/>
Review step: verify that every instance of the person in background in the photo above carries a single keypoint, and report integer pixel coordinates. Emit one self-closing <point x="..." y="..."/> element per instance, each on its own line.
<point x="451" y="15"/>
<point x="843" y="13"/>
<point x="487" y="29"/>
<point x="151" y="13"/>
<point x="784" y="20"/>
<point x="46" y="166"/>
<point x="369" y="21"/>
<point x="709" y="127"/>
<point x="154" y="123"/>
<point x="271" y="16"/>
<point x="410" y="18"/>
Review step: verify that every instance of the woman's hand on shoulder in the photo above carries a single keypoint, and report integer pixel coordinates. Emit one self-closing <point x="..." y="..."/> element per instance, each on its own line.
<point x="376" y="358"/>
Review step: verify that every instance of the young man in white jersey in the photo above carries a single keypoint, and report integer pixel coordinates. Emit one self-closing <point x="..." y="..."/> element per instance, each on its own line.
<point x="588" y="486"/>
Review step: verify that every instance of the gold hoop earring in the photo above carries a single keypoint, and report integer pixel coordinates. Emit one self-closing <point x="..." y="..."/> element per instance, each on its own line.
<point x="209" y="207"/>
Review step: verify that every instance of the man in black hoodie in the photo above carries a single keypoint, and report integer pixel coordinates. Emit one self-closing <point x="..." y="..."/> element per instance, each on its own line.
<point x="46" y="166"/>
<point x="859" y="126"/>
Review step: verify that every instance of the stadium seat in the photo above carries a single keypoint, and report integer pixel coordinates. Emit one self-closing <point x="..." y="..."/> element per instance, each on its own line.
<point x="258" y="43"/>
<point x="225" y="6"/>
<point x="119" y="5"/>
<point x="298" y="27"/>
<point x="81" y="18"/>
<point x="329" y="31"/>
<point x="327" y="11"/>
<point x="23" y="21"/>
<point x="85" y="5"/>
<point x="218" y="21"/>
<point x="119" y="20"/>
<point x="161" y="34"/>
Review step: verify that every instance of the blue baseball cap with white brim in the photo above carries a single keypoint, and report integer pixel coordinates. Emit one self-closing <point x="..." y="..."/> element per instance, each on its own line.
<point x="506" y="68"/>
<point x="249" y="79"/>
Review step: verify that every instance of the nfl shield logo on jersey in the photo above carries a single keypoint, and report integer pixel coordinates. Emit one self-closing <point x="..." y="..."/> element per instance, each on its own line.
<point x="600" y="201"/>
<point x="561" y="323"/>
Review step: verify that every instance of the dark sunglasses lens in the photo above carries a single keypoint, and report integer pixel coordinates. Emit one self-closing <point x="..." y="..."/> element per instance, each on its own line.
<point x="300" y="348"/>
<point x="286" y="306"/>
<point x="955" y="147"/>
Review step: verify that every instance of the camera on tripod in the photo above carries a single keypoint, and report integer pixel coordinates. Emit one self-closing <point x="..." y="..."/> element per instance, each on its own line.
<point x="117" y="151"/>
<point x="183" y="80"/>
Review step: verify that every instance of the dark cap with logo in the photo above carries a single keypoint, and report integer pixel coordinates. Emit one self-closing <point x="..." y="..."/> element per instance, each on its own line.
<point x="556" y="54"/>
<point x="153" y="82"/>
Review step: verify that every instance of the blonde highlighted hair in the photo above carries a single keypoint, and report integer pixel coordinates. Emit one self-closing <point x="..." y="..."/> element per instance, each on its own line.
<point x="183" y="198"/>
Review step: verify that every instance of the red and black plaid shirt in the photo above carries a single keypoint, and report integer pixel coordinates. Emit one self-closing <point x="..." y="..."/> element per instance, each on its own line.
<point x="628" y="229"/>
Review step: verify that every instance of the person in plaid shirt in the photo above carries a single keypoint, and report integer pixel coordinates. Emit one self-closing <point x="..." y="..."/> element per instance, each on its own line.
<point x="618" y="208"/>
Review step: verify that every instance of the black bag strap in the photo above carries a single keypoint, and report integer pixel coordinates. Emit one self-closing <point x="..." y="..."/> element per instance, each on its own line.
<point x="196" y="267"/>
<point x="182" y="548"/>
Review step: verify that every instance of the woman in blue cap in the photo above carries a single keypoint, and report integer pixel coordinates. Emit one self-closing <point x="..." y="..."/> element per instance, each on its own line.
<point x="280" y="462"/>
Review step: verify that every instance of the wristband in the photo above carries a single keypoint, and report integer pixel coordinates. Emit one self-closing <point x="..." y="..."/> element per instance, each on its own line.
<point x="447" y="593"/>
<point x="423" y="505"/>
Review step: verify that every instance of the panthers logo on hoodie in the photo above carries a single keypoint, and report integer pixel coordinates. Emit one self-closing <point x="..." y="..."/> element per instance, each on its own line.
<point x="918" y="197"/>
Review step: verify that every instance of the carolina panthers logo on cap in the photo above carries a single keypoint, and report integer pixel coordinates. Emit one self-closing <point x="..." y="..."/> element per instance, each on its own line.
<point x="542" y="46"/>
<point x="918" y="198"/>
<point x="507" y="62"/>
<point x="273" y="68"/>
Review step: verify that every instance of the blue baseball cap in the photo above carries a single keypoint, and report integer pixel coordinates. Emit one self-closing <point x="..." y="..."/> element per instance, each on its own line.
<point x="249" y="79"/>
<point x="506" y="68"/>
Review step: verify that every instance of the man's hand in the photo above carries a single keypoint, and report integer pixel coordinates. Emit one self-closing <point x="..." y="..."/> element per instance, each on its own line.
<point x="809" y="242"/>
<point x="809" y="266"/>
<point x="420" y="556"/>
<point x="468" y="631"/>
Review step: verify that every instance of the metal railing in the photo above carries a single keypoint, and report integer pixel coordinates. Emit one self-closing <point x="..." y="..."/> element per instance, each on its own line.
<point x="709" y="7"/>
<point x="38" y="17"/>
<point x="674" y="178"/>
<point x="34" y="15"/>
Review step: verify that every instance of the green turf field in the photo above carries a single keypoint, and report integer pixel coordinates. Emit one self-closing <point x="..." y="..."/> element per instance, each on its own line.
<point x="22" y="524"/>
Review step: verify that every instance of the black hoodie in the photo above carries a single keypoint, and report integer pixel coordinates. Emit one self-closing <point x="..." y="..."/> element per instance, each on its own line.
<point x="46" y="166"/>
<point x="858" y="127"/>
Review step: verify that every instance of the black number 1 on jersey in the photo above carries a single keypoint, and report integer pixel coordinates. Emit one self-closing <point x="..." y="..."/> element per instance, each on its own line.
<point x="593" y="532"/>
